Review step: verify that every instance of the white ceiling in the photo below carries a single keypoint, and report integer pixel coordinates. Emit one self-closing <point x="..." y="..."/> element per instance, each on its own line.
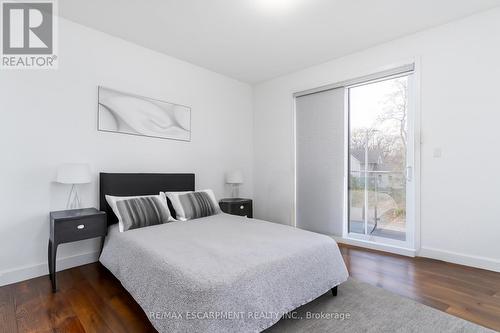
<point x="255" y="40"/>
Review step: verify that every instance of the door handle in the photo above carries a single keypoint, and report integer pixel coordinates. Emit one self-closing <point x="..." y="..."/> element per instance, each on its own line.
<point x="409" y="173"/>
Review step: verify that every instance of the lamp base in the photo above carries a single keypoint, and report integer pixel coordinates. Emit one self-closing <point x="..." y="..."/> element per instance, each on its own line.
<point x="73" y="198"/>
<point x="235" y="191"/>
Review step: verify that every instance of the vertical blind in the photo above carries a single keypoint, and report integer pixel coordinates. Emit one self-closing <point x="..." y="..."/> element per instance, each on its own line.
<point x="319" y="121"/>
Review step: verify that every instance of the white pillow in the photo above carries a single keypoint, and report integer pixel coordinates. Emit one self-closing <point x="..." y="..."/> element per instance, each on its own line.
<point x="179" y="210"/>
<point x="112" y="200"/>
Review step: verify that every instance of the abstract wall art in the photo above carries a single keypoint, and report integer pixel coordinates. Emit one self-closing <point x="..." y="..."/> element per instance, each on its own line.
<point x="131" y="114"/>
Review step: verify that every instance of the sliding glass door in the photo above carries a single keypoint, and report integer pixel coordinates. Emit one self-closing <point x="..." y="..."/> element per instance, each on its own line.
<point x="380" y="161"/>
<point x="354" y="157"/>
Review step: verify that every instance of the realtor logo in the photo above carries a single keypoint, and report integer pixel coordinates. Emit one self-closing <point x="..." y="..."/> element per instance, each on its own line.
<point x="28" y="34"/>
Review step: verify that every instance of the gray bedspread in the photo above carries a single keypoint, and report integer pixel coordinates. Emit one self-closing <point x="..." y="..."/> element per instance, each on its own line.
<point x="222" y="273"/>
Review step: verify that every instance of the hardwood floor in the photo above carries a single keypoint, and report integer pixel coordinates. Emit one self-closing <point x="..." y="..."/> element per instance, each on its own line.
<point x="469" y="293"/>
<point x="90" y="299"/>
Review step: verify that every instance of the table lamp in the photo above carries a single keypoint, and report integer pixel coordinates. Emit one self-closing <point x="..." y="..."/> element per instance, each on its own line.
<point x="74" y="174"/>
<point x="235" y="179"/>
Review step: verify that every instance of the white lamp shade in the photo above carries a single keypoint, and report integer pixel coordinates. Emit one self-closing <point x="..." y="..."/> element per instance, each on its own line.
<point x="73" y="173"/>
<point x="234" y="177"/>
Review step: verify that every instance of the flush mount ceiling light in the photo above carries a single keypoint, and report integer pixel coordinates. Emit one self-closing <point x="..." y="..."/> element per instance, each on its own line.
<point x="276" y="5"/>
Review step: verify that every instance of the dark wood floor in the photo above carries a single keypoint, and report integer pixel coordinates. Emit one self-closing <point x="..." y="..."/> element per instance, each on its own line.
<point x="90" y="299"/>
<point x="469" y="293"/>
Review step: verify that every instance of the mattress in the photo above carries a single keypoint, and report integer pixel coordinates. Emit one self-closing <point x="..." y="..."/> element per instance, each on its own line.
<point x="222" y="273"/>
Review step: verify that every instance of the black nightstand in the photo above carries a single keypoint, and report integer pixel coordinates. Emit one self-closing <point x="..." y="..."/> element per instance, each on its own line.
<point x="70" y="226"/>
<point x="237" y="206"/>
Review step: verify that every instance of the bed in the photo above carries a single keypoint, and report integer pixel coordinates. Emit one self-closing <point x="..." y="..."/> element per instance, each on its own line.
<point x="221" y="273"/>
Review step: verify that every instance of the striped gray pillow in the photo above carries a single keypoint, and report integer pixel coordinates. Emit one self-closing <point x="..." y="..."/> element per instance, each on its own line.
<point x="197" y="204"/>
<point x="142" y="212"/>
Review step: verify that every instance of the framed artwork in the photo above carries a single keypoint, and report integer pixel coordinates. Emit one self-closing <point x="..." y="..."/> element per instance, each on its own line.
<point x="125" y="113"/>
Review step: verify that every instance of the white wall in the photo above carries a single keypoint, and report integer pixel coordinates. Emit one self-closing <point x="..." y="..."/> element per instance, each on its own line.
<point x="460" y="113"/>
<point x="50" y="117"/>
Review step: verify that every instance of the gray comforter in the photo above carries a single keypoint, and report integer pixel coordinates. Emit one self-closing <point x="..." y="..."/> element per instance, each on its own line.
<point x="222" y="273"/>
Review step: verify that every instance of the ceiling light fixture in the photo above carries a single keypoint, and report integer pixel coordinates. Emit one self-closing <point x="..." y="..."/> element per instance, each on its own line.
<point x="276" y="5"/>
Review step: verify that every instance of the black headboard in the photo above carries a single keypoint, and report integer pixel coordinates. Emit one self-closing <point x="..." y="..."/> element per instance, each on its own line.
<point x="129" y="184"/>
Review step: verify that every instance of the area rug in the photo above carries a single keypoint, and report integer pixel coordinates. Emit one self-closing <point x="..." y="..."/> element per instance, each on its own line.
<point x="360" y="307"/>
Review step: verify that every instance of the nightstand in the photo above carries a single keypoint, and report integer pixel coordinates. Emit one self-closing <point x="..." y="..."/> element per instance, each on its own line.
<point x="237" y="206"/>
<point x="70" y="226"/>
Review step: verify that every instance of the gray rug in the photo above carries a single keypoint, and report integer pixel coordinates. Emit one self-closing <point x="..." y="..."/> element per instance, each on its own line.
<point x="360" y="307"/>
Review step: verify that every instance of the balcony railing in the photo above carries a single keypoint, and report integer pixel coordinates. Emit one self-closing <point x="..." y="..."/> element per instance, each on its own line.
<point x="376" y="192"/>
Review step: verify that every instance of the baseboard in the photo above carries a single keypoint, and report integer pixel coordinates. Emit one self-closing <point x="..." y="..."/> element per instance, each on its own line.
<point x="29" y="272"/>
<point x="460" y="258"/>
<point x="426" y="252"/>
<point x="376" y="246"/>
